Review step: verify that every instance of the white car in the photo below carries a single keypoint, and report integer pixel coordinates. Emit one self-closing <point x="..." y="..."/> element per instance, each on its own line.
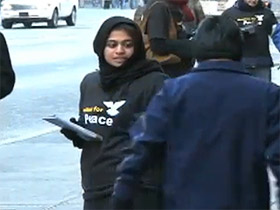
<point x="30" y="11"/>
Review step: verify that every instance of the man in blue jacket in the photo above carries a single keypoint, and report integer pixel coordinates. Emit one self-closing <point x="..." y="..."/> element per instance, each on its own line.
<point x="257" y="23"/>
<point x="218" y="128"/>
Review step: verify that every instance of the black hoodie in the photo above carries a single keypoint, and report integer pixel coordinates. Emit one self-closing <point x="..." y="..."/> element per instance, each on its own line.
<point x="111" y="100"/>
<point x="256" y="45"/>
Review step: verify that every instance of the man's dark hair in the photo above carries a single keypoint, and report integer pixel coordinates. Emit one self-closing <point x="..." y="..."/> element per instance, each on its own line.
<point x="218" y="37"/>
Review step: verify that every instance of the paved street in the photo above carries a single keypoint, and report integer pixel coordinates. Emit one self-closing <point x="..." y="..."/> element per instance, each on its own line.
<point x="39" y="168"/>
<point x="40" y="173"/>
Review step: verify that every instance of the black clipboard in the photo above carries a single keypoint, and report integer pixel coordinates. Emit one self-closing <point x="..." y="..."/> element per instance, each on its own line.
<point x="82" y="132"/>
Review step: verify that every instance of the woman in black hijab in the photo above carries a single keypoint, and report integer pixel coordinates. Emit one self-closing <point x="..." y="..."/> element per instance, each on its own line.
<point x="111" y="100"/>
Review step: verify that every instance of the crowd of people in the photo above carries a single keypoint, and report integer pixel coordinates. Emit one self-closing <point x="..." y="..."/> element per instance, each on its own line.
<point x="218" y="128"/>
<point x="202" y="138"/>
<point x="175" y="135"/>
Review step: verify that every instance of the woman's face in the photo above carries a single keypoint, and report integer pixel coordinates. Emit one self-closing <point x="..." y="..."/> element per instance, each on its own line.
<point x="119" y="48"/>
<point x="252" y="3"/>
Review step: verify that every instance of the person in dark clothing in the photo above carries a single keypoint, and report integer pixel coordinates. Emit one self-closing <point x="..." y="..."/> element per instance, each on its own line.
<point x="7" y="74"/>
<point x="257" y="23"/>
<point x="199" y="15"/>
<point x="165" y="38"/>
<point x="111" y="100"/>
<point x="219" y="128"/>
<point x="107" y="4"/>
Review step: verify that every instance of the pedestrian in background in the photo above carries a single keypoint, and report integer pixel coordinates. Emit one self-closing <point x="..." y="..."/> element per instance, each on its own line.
<point x="257" y="23"/>
<point x="267" y="4"/>
<point x="107" y="4"/>
<point x="199" y="15"/>
<point x="218" y="126"/>
<point x="7" y="75"/>
<point x="111" y="100"/>
<point x="166" y="41"/>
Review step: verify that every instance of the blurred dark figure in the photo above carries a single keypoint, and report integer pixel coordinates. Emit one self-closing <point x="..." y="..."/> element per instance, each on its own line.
<point x="267" y="4"/>
<point x="7" y="75"/>
<point x="219" y="128"/>
<point x="166" y="40"/>
<point x="199" y="15"/>
<point x="107" y="4"/>
<point x="257" y="23"/>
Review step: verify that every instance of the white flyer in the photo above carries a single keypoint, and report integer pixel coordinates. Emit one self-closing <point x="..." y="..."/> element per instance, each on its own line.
<point x="82" y="132"/>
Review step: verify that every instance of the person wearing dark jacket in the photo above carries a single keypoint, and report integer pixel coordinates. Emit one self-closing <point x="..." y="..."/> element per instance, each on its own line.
<point x="219" y="128"/>
<point x="199" y="15"/>
<point x="7" y="75"/>
<point x="257" y="23"/>
<point x="166" y="40"/>
<point x="111" y="100"/>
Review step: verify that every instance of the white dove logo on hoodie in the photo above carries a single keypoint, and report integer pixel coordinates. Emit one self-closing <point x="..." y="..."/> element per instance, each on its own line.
<point x="113" y="107"/>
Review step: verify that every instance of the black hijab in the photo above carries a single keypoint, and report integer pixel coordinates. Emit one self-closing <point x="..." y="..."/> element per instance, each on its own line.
<point x="242" y="5"/>
<point x="135" y="67"/>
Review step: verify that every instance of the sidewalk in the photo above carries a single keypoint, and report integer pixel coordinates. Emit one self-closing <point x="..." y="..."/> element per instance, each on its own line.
<point x="40" y="174"/>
